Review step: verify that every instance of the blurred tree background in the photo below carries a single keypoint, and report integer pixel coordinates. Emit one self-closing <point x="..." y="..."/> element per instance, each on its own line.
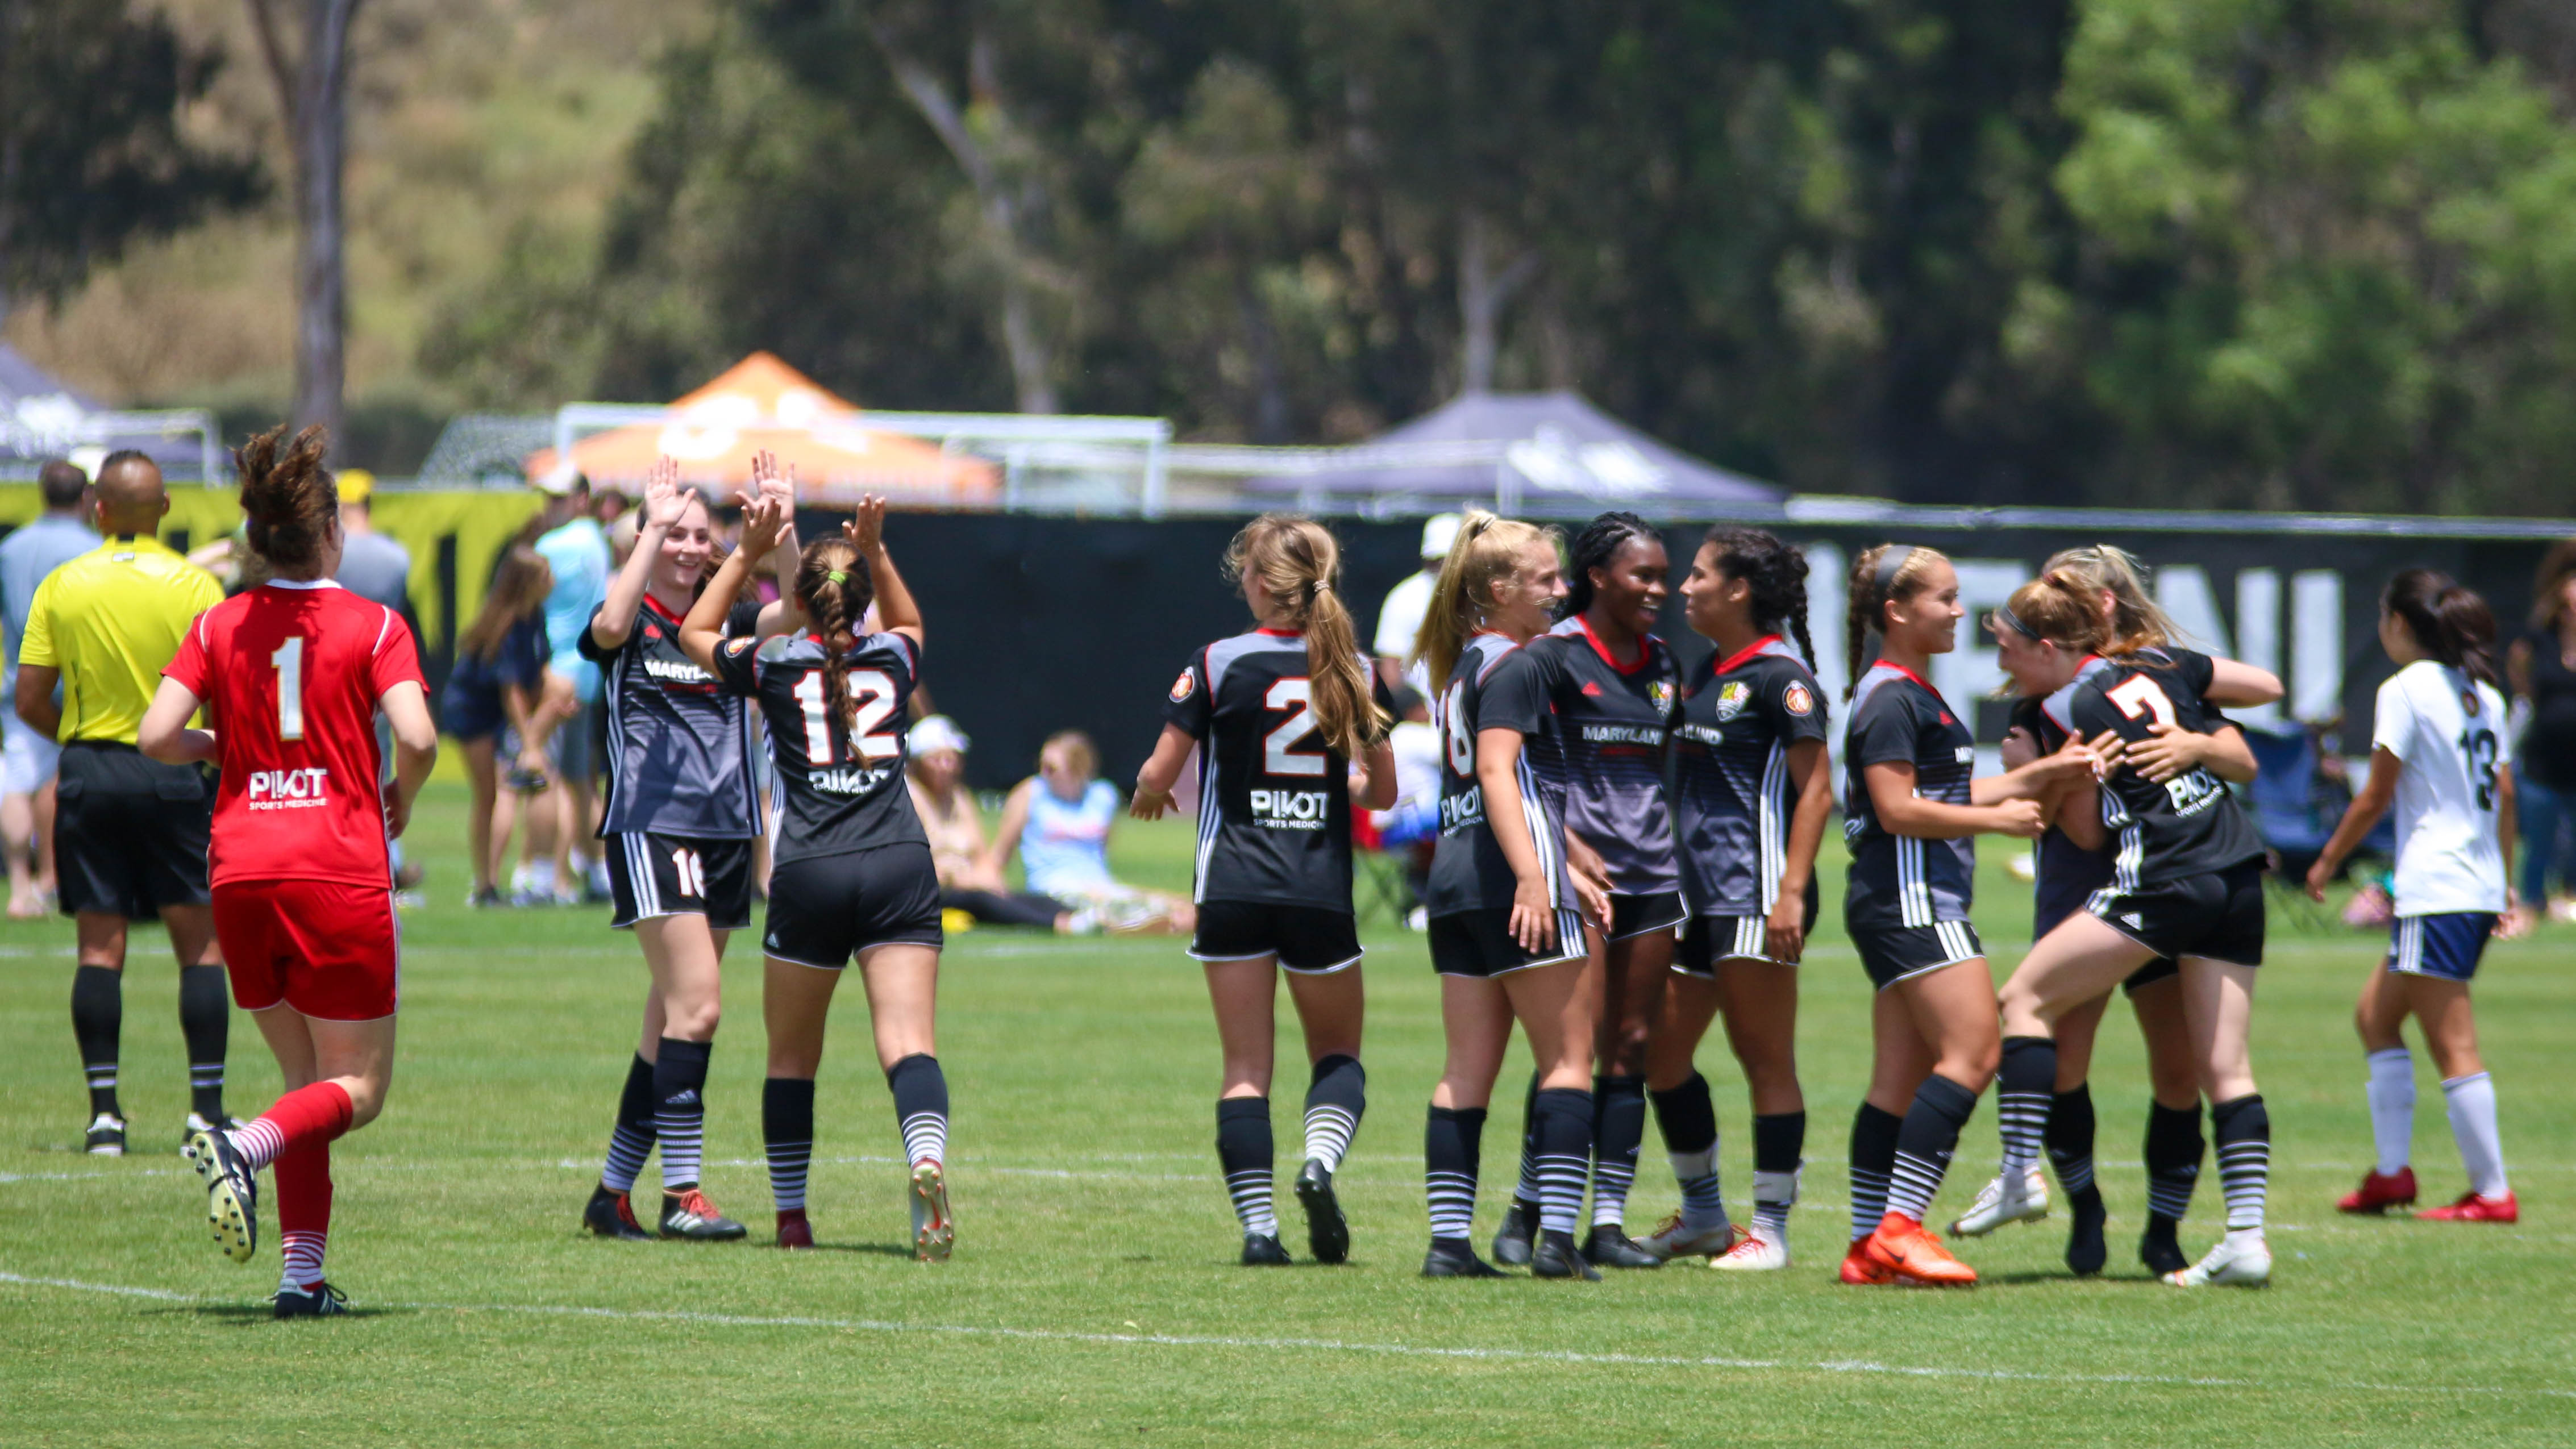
<point x="2238" y="253"/>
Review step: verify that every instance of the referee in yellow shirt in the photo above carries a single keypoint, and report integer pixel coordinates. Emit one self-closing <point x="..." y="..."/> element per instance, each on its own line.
<point x="129" y="833"/>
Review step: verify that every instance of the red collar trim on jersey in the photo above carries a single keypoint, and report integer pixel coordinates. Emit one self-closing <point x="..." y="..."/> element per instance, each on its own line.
<point x="1910" y="674"/>
<point x="1645" y="648"/>
<point x="655" y="605"/>
<point x="1740" y="656"/>
<point x="1268" y="632"/>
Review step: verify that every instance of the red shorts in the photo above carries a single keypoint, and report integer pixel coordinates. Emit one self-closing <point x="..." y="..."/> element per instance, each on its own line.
<point x="328" y="949"/>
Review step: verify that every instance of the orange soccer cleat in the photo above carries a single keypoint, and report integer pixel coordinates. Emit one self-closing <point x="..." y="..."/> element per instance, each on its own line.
<point x="1862" y="1271"/>
<point x="2472" y="1208"/>
<point x="2377" y="1193"/>
<point x="1908" y="1250"/>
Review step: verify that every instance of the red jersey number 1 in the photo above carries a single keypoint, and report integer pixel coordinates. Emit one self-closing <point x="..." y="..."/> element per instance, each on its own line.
<point x="289" y="660"/>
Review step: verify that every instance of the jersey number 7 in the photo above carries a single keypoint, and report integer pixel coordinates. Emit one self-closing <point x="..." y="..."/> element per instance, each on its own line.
<point x="2140" y="697"/>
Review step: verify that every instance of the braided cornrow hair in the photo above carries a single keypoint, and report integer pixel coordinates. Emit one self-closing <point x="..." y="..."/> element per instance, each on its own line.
<point x="1593" y="548"/>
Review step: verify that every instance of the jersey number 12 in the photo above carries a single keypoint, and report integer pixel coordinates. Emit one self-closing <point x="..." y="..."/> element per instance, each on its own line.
<point x="874" y="693"/>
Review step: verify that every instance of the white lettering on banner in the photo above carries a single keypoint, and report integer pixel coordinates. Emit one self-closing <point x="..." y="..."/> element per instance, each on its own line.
<point x="1291" y="809"/>
<point x="2316" y="637"/>
<point x="1969" y="672"/>
<point x="2258" y="637"/>
<point x="288" y="789"/>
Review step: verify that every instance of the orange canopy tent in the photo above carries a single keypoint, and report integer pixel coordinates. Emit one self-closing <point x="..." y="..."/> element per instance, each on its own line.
<point x="761" y="402"/>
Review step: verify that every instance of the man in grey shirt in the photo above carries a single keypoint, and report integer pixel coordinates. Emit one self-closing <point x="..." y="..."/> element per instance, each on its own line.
<point x="27" y="758"/>
<point x="372" y="566"/>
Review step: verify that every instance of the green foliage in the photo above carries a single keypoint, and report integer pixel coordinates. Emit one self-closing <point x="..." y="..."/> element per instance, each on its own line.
<point x="90" y="151"/>
<point x="2238" y="252"/>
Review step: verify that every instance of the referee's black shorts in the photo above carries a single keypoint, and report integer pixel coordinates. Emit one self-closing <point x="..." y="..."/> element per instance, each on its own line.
<point x="129" y="832"/>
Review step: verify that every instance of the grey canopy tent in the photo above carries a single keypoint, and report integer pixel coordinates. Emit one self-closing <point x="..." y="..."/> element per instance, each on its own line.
<point x="41" y="417"/>
<point x="1544" y="453"/>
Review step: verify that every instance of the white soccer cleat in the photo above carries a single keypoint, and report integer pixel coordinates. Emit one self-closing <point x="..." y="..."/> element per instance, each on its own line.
<point x="2233" y="1263"/>
<point x="1672" y="1240"/>
<point x="1756" y="1254"/>
<point x="2005" y="1200"/>
<point x="934" y="1233"/>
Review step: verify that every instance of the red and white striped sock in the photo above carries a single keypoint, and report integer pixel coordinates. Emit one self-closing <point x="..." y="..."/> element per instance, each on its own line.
<point x="303" y="1259"/>
<point x="315" y="1113"/>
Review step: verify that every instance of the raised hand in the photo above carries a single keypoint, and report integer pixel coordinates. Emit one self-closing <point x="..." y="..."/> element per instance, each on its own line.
<point x="663" y="497"/>
<point x="764" y="518"/>
<point x="866" y="528"/>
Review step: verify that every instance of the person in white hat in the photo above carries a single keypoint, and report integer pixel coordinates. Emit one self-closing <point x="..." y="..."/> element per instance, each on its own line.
<point x="1399" y="619"/>
<point x="935" y="770"/>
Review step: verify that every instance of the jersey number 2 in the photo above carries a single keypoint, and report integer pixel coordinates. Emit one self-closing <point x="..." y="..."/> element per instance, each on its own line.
<point x="874" y="692"/>
<point x="289" y="660"/>
<point x="1279" y="755"/>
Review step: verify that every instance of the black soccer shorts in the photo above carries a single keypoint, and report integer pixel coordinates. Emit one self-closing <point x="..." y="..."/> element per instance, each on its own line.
<point x="826" y="909"/>
<point x="1480" y="943"/>
<point x="130" y="833"/>
<point x="1892" y="953"/>
<point x="2217" y="915"/>
<point x="1309" y="940"/>
<point x="1642" y="915"/>
<point x="679" y="875"/>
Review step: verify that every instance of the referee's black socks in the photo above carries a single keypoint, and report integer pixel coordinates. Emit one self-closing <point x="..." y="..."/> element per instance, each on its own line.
<point x="205" y="1019"/>
<point x="98" y="1019"/>
<point x="1244" y="1154"/>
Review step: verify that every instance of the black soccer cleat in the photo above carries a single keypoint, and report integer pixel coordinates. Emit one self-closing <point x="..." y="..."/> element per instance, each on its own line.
<point x="319" y="1301"/>
<point x="2086" y="1252"/>
<point x="1460" y="1262"/>
<point x="1512" y="1241"/>
<point x="1262" y="1250"/>
<point x="1328" y="1235"/>
<point x="1556" y="1257"/>
<point x="687" y="1214"/>
<point x="2160" y="1247"/>
<point x="1610" y="1247"/>
<point x="232" y="1194"/>
<point x="612" y="1215"/>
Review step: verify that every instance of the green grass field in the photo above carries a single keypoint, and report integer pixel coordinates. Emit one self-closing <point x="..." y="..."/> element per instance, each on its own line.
<point x="1094" y="1296"/>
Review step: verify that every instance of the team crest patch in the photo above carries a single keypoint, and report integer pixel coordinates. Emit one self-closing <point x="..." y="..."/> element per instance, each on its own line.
<point x="1182" y="686"/>
<point x="1732" y="697"/>
<point x="1796" y="699"/>
<point x="1661" y="692"/>
<point x="739" y="647"/>
<point x="2469" y="702"/>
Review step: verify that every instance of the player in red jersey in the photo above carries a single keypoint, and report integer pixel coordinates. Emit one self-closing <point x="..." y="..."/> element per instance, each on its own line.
<point x="291" y="675"/>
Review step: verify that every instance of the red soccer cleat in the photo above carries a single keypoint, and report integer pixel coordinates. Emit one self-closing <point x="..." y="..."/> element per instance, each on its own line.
<point x="1907" y="1249"/>
<point x="2378" y="1194"/>
<point x="1860" y="1270"/>
<point x="793" y="1230"/>
<point x="2472" y="1208"/>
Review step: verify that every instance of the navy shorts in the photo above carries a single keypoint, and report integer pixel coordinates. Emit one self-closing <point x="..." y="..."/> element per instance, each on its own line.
<point x="2446" y="945"/>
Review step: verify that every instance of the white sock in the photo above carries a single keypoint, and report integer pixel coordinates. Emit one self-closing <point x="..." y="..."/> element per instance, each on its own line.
<point x="2473" y="1123"/>
<point x="2392" y="1108"/>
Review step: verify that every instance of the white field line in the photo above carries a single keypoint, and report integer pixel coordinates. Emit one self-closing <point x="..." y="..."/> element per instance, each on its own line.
<point x="1333" y="1346"/>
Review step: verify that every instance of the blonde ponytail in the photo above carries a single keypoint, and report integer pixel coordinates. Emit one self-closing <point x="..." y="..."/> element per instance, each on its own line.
<point x="1299" y="565"/>
<point x="1486" y="553"/>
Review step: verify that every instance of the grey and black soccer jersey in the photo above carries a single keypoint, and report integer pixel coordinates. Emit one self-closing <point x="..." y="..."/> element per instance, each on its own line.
<point x="840" y="783"/>
<point x="1468" y="870"/>
<point x="679" y="751"/>
<point x="1274" y="799"/>
<point x="2187" y="826"/>
<point x="1595" y="734"/>
<point x="1739" y="716"/>
<point x="1898" y="880"/>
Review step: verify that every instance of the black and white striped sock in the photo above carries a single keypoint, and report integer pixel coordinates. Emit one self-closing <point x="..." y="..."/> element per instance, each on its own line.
<point x="1452" y="1142"/>
<point x="205" y="1020"/>
<point x="921" y="1107"/>
<point x="1243" y="1152"/>
<point x="2173" y="1152"/>
<point x="2070" y="1139"/>
<point x="680" y="1109"/>
<point x="1925" y="1143"/>
<point x="787" y="1138"/>
<point x="2244" y="1135"/>
<point x="1525" y="1190"/>
<point x="1618" y="1133"/>
<point x="1779" y="1151"/>
<point x="2023" y="1087"/>
<point x="1564" y="1152"/>
<point x="1873" y="1162"/>
<point x="631" y="1141"/>
<point x="98" y="1020"/>
<point x="1688" y="1122"/>
<point x="1334" y="1106"/>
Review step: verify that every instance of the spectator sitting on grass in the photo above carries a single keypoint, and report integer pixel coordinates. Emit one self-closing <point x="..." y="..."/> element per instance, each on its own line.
<point x="1059" y="822"/>
<point x="967" y="881"/>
